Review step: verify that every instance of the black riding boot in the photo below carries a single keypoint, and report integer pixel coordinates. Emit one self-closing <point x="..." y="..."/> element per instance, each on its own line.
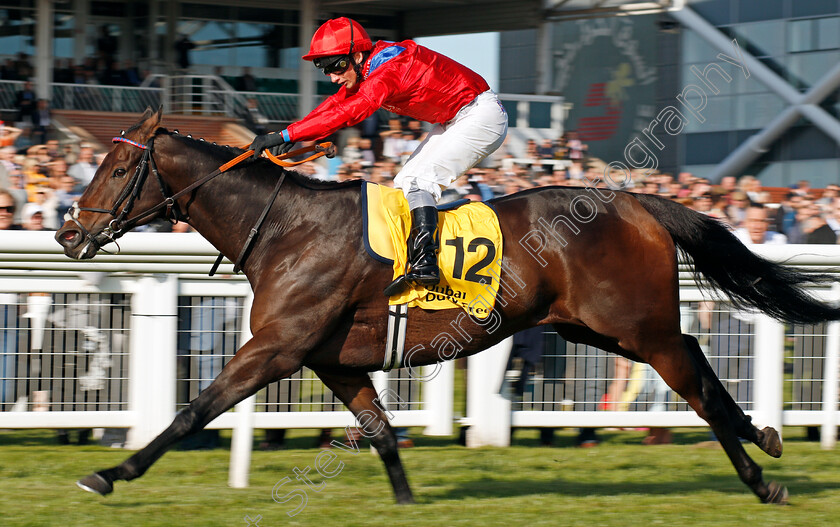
<point x="422" y="266"/>
<point x="422" y="249"/>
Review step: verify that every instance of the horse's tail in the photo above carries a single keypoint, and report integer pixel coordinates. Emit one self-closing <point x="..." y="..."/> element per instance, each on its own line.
<point x="730" y="267"/>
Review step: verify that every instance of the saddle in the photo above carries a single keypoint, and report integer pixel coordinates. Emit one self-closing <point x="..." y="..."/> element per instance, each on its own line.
<point x="469" y="257"/>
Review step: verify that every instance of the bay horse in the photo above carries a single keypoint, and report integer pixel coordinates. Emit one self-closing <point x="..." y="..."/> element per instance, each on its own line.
<point x="599" y="266"/>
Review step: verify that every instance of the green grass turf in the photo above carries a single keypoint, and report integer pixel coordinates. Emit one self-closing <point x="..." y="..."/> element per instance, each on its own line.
<point x="618" y="483"/>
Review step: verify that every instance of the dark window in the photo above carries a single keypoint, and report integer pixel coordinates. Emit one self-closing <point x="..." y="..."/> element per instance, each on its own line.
<point x="813" y="8"/>
<point x="809" y="143"/>
<point x="752" y="11"/>
<point x="718" y="12"/>
<point x="706" y="148"/>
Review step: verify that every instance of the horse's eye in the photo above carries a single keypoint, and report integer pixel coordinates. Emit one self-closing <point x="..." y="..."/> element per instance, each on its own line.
<point x="120" y="172"/>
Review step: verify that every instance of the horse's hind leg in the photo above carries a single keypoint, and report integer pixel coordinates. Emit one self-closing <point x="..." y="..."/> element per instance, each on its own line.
<point x="356" y="391"/>
<point x="685" y="369"/>
<point x="255" y="364"/>
<point x="767" y="439"/>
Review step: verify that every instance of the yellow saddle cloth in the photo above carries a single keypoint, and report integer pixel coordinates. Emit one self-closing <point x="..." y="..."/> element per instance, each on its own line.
<point x="470" y="253"/>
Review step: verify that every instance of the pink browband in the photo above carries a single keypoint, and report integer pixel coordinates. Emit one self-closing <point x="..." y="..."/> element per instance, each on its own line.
<point x="129" y="141"/>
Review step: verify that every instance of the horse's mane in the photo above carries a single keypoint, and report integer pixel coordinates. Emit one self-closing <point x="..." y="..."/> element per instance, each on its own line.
<point x="225" y="153"/>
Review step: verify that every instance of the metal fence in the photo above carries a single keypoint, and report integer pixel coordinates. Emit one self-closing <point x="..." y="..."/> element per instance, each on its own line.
<point x="212" y="95"/>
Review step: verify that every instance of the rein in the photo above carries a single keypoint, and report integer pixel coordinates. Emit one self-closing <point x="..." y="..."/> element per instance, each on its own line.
<point x="119" y="225"/>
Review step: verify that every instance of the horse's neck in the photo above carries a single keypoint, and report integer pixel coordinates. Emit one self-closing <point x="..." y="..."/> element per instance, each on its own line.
<point x="223" y="209"/>
<point x="229" y="206"/>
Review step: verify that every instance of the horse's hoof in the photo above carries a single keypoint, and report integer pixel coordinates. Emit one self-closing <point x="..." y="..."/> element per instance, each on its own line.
<point x="771" y="443"/>
<point x="96" y="484"/>
<point x="778" y="494"/>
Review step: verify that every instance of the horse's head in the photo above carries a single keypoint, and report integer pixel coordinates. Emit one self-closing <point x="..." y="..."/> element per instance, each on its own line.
<point x="103" y="212"/>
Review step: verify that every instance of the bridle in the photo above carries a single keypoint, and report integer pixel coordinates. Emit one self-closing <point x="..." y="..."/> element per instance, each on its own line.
<point x="119" y="225"/>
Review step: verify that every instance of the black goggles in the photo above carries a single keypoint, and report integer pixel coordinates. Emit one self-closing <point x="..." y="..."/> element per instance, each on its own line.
<point x="330" y="65"/>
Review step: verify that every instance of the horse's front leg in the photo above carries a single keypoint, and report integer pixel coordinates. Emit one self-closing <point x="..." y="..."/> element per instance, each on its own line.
<point x="356" y="391"/>
<point x="256" y="364"/>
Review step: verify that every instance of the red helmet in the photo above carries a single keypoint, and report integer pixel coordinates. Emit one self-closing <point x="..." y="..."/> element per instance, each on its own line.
<point x="338" y="36"/>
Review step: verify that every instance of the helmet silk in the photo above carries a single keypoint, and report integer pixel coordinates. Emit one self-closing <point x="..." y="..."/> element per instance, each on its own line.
<point x="338" y="36"/>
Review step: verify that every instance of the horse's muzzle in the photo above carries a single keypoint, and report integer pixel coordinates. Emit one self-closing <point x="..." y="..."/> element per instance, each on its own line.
<point x="73" y="241"/>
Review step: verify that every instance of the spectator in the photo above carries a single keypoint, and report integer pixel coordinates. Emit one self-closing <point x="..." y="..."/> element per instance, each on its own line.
<point x="719" y="205"/>
<point x="131" y="75"/>
<point x="410" y="143"/>
<point x="42" y="124"/>
<point x="703" y="203"/>
<point x="803" y="188"/>
<point x="754" y="230"/>
<point x="63" y="73"/>
<point x="26" y="101"/>
<point x="737" y="211"/>
<point x="546" y="149"/>
<point x="106" y="44"/>
<point x="478" y="185"/>
<point x="752" y="187"/>
<point x="786" y="214"/>
<point x="23" y="66"/>
<point x="351" y="153"/>
<point x="33" y="217"/>
<point x="112" y="75"/>
<point x="366" y="149"/>
<point x="247" y="82"/>
<point x="7" y="211"/>
<point x="831" y="191"/>
<point x="575" y="146"/>
<point x="85" y="167"/>
<point x="8" y="134"/>
<point x="526" y="355"/>
<point x="183" y="46"/>
<point x="728" y="184"/>
<point x="806" y="210"/>
<point x="818" y="231"/>
<point x="392" y="147"/>
<point x="8" y="71"/>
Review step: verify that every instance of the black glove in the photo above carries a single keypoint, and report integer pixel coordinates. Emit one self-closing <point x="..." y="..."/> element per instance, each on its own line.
<point x="282" y="149"/>
<point x="261" y="142"/>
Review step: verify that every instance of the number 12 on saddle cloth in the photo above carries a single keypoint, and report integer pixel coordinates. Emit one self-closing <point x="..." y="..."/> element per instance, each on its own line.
<point x="469" y="258"/>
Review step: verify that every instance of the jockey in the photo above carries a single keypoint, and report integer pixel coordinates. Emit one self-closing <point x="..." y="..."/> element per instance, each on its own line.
<point x="407" y="79"/>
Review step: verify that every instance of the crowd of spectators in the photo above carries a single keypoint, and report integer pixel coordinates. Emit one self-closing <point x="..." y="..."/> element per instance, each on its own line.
<point x="45" y="178"/>
<point x="798" y="214"/>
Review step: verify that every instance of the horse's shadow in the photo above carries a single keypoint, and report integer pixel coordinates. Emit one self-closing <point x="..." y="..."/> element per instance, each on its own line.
<point x="509" y="488"/>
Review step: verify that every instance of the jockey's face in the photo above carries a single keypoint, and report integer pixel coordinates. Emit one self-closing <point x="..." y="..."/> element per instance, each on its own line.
<point x="348" y="77"/>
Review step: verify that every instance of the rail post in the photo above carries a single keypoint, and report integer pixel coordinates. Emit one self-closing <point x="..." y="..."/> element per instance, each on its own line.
<point x="488" y="411"/>
<point x="243" y="432"/>
<point x="438" y="398"/>
<point x="152" y="364"/>
<point x="768" y="392"/>
<point x="828" y="434"/>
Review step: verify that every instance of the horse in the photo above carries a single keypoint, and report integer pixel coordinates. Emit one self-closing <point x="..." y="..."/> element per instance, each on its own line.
<point x="600" y="266"/>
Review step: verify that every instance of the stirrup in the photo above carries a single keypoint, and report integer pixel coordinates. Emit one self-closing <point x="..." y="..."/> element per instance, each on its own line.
<point x="397" y="287"/>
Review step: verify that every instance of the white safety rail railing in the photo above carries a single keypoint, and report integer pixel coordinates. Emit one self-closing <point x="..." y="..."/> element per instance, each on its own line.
<point x="124" y="340"/>
<point x="177" y="327"/>
<point x="779" y="374"/>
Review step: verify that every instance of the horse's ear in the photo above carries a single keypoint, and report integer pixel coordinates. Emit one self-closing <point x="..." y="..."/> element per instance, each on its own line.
<point x="150" y="122"/>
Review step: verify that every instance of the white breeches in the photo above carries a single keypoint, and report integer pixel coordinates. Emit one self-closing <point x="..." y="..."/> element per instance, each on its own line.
<point x="452" y="148"/>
